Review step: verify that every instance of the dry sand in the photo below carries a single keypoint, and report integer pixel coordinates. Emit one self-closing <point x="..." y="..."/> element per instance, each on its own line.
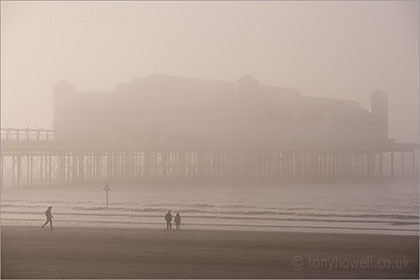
<point x="29" y="252"/>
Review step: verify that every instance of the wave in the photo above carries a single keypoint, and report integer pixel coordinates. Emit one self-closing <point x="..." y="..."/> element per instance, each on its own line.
<point x="254" y="212"/>
<point x="248" y="213"/>
<point x="203" y="205"/>
<point x="289" y="219"/>
<point x="233" y="210"/>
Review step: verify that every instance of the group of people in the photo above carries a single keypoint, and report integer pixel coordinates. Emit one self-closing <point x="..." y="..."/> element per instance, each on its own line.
<point x="168" y="219"/>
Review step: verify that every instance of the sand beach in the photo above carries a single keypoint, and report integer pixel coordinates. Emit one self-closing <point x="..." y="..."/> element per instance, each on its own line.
<point x="30" y="252"/>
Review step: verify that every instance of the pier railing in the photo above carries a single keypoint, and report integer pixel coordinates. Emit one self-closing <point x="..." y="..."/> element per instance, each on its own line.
<point x="12" y="137"/>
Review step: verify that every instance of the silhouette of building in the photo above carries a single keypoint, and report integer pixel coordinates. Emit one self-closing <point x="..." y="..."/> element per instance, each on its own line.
<point x="163" y="110"/>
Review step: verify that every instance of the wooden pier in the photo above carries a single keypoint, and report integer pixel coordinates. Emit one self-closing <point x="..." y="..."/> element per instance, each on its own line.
<point x="39" y="157"/>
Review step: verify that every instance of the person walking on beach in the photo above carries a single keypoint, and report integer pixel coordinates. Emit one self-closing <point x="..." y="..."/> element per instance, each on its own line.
<point x="168" y="219"/>
<point x="49" y="216"/>
<point x="177" y="221"/>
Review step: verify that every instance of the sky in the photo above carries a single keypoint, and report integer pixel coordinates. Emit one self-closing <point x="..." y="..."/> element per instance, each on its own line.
<point x="328" y="49"/>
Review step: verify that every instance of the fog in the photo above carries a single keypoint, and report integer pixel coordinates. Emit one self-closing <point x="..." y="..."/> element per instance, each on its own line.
<point x="235" y="140"/>
<point x="326" y="49"/>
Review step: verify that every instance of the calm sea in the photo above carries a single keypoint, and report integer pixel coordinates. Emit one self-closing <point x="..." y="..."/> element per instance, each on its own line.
<point x="390" y="207"/>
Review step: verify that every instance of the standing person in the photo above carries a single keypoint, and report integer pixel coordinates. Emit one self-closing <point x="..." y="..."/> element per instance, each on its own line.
<point x="49" y="216"/>
<point x="177" y="221"/>
<point x="168" y="219"/>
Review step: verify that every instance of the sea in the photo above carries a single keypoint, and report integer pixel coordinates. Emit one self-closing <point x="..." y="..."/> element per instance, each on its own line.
<point x="386" y="207"/>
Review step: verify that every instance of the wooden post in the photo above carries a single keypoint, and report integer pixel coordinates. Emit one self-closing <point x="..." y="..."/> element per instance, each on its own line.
<point x="18" y="169"/>
<point x="412" y="163"/>
<point x="381" y="158"/>
<point x="32" y="170"/>
<point x="147" y="165"/>
<point x="66" y="168"/>
<point x="2" y="171"/>
<point x="98" y="166"/>
<point x="164" y="164"/>
<point x="298" y="161"/>
<point x="216" y="164"/>
<point x="13" y="169"/>
<point x="106" y="189"/>
<point x="49" y="169"/>
<point x="74" y="166"/>
<point x="314" y="164"/>
<point x="200" y="164"/>
<point x="402" y="163"/>
<point x="108" y="166"/>
<point x="81" y="167"/>
<point x="392" y="164"/>
<point x="369" y="164"/>
<point x="114" y="165"/>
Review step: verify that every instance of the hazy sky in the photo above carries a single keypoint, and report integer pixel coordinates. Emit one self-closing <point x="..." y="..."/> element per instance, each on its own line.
<point x="328" y="49"/>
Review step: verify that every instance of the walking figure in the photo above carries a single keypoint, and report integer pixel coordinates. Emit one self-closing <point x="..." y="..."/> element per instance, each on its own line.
<point x="168" y="219"/>
<point x="49" y="217"/>
<point x="178" y="221"/>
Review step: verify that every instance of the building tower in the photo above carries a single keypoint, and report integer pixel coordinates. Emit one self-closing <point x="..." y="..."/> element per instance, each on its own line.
<point x="379" y="109"/>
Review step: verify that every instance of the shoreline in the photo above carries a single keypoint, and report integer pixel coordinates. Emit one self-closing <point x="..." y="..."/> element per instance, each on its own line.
<point x="85" y="252"/>
<point x="137" y="225"/>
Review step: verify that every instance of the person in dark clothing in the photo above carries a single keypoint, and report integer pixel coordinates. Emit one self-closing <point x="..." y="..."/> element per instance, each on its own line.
<point x="49" y="216"/>
<point x="168" y="219"/>
<point x="177" y="221"/>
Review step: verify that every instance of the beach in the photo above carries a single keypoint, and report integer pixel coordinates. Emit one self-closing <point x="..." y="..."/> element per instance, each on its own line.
<point x="66" y="252"/>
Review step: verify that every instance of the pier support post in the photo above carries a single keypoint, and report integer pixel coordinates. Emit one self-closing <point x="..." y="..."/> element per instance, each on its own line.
<point x="381" y="158"/>
<point x="392" y="164"/>
<point x="412" y="163"/>
<point x="2" y="171"/>
<point x="200" y="164"/>
<point x="402" y="163"/>
<point x="147" y="165"/>
<point x="164" y="163"/>
<point x="18" y="169"/>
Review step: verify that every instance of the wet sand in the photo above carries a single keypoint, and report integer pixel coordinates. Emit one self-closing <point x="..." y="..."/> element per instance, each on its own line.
<point x="29" y="252"/>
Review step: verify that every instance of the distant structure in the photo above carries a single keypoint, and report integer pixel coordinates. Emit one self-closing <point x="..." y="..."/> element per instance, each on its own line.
<point x="164" y="110"/>
<point x="168" y="129"/>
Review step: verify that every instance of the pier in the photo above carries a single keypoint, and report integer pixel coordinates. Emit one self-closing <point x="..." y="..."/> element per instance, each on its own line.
<point x="48" y="157"/>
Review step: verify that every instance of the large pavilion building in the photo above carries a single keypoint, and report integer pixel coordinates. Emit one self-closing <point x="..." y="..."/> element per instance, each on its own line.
<point x="163" y="110"/>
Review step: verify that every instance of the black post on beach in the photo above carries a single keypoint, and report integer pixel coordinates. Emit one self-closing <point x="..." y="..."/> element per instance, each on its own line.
<point x="106" y="189"/>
